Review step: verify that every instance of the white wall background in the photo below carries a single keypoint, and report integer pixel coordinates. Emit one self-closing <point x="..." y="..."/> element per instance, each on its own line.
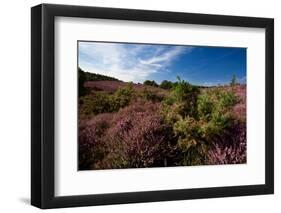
<point x="15" y="105"/>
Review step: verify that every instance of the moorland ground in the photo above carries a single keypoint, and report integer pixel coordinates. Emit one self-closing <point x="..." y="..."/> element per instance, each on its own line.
<point x="128" y="125"/>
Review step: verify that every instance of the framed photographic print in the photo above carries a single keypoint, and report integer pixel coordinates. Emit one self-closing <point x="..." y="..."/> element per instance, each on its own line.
<point x="139" y="106"/>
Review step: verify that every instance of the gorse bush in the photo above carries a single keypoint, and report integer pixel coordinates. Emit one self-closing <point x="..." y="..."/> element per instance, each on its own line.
<point x="166" y="84"/>
<point x="205" y="106"/>
<point x="227" y="99"/>
<point x="190" y="141"/>
<point x="182" y="99"/>
<point x="150" y="83"/>
<point x="99" y="102"/>
<point x="213" y="103"/>
<point x="102" y="102"/>
<point x="125" y="93"/>
<point x="188" y="132"/>
<point x="150" y="95"/>
<point x="186" y="94"/>
<point x="122" y="97"/>
<point x="198" y="119"/>
<point x="214" y="111"/>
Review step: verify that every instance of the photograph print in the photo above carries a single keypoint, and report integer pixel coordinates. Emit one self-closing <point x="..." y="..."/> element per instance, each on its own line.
<point x="160" y="105"/>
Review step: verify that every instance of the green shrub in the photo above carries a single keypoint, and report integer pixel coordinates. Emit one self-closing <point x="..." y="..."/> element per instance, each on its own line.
<point x="150" y="83"/>
<point x="190" y="142"/>
<point x="183" y="91"/>
<point x="166" y="84"/>
<point x="212" y="102"/>
<point x="227" y="99"/>
<point x="82" y="78"/>
<point x="150" y="95"/>
<point x="171" y="113"/>
<point x="187" y="94"/>
<point x="198" y="119"/>
<point x="95" y="104"/>
<point x="169" y="100"/>
<point x="217" y="126"/>
<point x="221" y="120"/>
<point x="214" y="109"/>
<point x="184" y="95"/>
<point x="95" y="77"/>
<point x="187" y="129"/>
<point x="205" y="106"/>
<point x="233" y="81"/>
<point x="101" y="102"/>
<point x="122" y="97"/>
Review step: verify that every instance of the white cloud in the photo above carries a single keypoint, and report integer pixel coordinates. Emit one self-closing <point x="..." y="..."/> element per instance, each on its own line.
<point x="127" y="62"/>
<point x="164" y="58"/>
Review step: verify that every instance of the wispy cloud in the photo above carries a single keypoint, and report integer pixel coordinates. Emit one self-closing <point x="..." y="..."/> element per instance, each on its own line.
<point x="128" y="62"/>
<point x="164" y="58"/>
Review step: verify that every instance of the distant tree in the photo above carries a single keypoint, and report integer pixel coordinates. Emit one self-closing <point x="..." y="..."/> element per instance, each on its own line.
<point x="150" y="83"/>
<point x="233" y="81"/>
<point x="96" y="77"/>
<point x="166" y="84"/>
<point x="82" y="78"/>
<point x="179" y="79"/>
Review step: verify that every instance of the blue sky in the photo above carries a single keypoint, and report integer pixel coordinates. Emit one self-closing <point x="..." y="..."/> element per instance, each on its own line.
<point x="198" y="65"/>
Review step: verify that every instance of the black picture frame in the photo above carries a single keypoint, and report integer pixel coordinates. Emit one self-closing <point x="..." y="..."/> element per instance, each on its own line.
<point x="43" y="111"/>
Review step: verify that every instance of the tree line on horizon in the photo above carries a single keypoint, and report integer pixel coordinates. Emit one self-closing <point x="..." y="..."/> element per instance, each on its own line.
<point x="165" y="84"/>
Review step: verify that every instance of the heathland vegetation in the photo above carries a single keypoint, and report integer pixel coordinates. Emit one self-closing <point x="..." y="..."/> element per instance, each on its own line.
<point x="127" y="125"/>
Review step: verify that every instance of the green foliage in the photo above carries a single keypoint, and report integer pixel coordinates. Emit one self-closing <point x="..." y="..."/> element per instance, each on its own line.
<point x="233" y="81"/>
<point x="150" y="95"/>
<point x="190" y="141"/>
<point x="166" y="84"/>
<point x="171" y="113"/>
<point x="150" y="83"/>
<point x="186" y="94"/>
<point x="217" y="126"/>
<point x="82" y="78"/>
<point x="188" y="130"/>
<point x="205" y="106"/>
<point x="101" y="102"/>
<point x="198" y="118"/>
<point x="212" y="101"/>
<point x="221" y="119"/>
<point x="181" y="102"/>
<point x="122" y="97"/>
<point x="95" y="104"/>
<point x="227" y="99"/>
<point x="214" y="109"/>
<point x="96" y="77"/>
<point x="169" y="100"/>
